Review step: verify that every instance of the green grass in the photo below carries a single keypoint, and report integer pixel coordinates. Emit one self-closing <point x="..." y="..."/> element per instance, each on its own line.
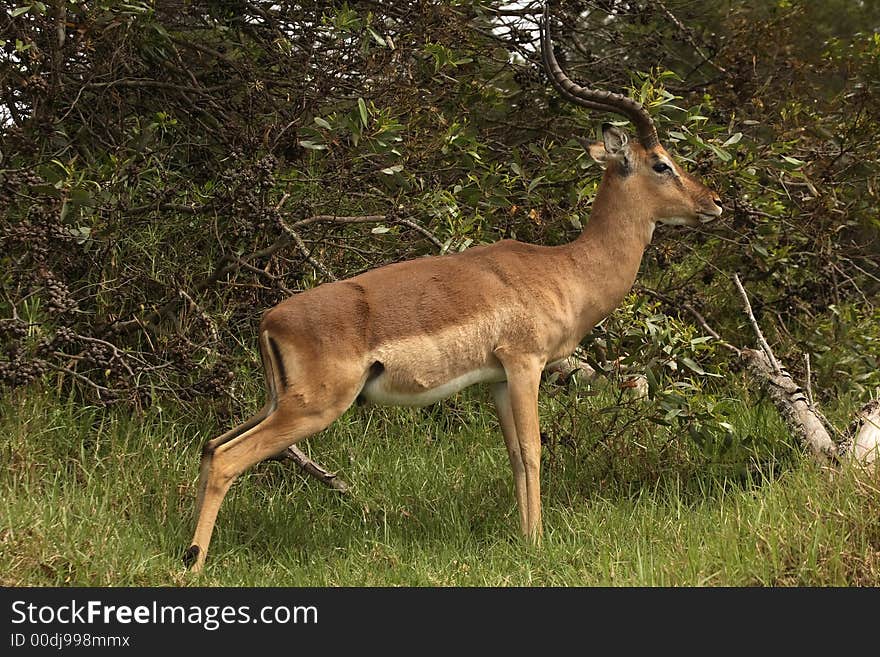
<point x="105" y="498"/>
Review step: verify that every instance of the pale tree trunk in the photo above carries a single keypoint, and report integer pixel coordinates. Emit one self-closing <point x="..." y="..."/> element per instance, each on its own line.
<point x="865" y="448"/>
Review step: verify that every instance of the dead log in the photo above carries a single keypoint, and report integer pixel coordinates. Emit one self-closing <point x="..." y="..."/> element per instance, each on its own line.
<point x="566" y="369"/>
<point x="801" y="413"/>
<point x="576" y="367"/>
<point x="791" y="401"/>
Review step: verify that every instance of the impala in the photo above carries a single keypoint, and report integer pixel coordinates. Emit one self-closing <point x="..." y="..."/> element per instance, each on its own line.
<point x="415" y="332"/>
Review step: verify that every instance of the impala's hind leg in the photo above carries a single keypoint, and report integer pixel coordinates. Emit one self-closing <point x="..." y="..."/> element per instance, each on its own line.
<point x="212" y="445"/>
<point x="279" y="430"/>
<point x="301" y="410"/>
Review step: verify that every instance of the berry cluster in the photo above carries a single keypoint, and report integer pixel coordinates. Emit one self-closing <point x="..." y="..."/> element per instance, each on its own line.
<point x="57" y="295"/>
<point x="248" y="189"/>
<point x="17" y="180"/>
<point x="216" y="383"/>
<point x="21" y="371"/>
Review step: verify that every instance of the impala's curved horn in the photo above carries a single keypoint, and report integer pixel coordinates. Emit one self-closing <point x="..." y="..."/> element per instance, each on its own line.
<point x="594" y="99"/>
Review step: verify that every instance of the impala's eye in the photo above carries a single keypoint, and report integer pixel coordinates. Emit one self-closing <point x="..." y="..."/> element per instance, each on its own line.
<point x="662" y="167"/>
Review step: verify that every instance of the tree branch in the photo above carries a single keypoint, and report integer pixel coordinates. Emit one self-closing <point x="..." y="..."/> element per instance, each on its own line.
<point x="760" y="335"/>
<point x="307" y="254"/>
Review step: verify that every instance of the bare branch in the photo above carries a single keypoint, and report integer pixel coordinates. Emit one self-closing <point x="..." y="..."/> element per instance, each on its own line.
<point x="760" y="335"/>
<point x="424" y="231"/>
<point x="687" y="34"/>
<point x="158" y="84"/>
<point x="205" y="317"/>
<point x="809" y="381"/>
<point x="329" y="218"/>
<point x="307" y="254"/>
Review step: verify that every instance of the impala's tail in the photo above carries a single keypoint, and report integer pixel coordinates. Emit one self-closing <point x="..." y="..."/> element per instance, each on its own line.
<point x="273" y="365"/>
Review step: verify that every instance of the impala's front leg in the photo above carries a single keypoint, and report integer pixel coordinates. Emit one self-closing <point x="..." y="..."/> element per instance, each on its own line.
<point x="523" y="379"/>
<point x="508" y="430"/>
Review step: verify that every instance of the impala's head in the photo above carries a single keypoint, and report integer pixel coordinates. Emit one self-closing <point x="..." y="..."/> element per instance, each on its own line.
<point x="642" y="165"/>
<point x="654" y="179"/>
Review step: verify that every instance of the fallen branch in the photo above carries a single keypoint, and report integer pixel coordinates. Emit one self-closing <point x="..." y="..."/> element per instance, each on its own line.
<point x="761" y="339"/>
<point x="800" y="412"/>
<point x="313" y="469"/>
<point x="791" y="401"/>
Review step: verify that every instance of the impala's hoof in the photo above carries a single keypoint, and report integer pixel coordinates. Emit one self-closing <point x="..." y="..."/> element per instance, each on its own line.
<point x="191" y="555"/>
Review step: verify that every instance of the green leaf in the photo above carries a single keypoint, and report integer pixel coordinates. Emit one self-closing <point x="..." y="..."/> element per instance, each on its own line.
<point x="397" y="168"/>
<point x="306" y="143"/>
<point x="653" y="383"/>
<point x="81" y="234"/>
<point x="48" y="190"/>
<point x="535" y="182"/>
<point x="81" y="197"/>
<point x="722" y="154"/>
<point x="18" y="11"/>
<point x="379" y="230"/>
<point x="692" y="365"/>
<point x="362" y="107"/>
<point x="793" y="160"/>
<point x="323" y="123"/>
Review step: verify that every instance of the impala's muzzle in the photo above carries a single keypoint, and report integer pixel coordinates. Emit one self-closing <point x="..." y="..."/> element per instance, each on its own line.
<point x="707" y="214"/>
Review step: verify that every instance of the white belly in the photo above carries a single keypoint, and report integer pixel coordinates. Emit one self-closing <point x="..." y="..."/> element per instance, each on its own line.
<point x="378" y="390"/>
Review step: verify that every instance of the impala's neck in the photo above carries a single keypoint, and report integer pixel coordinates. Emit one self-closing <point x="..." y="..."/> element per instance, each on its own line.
<point x="621" y="221"/>
<point x="608" y="253"/>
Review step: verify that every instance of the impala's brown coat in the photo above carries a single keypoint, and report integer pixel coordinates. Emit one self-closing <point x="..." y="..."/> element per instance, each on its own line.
<point x="416" y="331"/>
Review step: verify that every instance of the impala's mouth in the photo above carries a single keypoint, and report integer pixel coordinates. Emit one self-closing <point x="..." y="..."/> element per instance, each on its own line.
<point x="712" y="212"/>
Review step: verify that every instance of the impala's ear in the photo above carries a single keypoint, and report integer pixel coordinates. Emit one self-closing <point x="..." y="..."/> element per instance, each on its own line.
<point x="596" y="149"/>
<point x="612" y="146"/>
<point x="615" y="139"/>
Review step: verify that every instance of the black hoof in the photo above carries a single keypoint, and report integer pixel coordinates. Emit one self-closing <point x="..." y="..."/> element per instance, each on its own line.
<point x="190" y="556"/>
